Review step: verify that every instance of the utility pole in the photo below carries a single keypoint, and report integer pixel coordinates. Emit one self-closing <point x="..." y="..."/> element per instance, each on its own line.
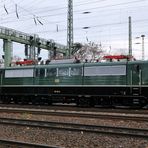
<point x="70" y="27"/>
<point x="130" y="37"/>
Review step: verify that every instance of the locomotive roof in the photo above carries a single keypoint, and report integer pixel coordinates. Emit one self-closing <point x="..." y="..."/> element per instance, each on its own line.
<point x="75" y="64"/>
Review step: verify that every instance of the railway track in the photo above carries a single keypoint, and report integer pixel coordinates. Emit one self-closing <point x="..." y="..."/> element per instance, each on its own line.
<point x="12" y="143"/>
<point x="81" y="128"/>
<point x="75" y="108"/>
<point x="100" y="115"/>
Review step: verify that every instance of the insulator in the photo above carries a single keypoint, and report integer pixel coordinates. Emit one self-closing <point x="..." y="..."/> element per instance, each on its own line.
<point x="39" y="43"/>
<point x="48" y="43"/>
<point x="31" y="37"/>
<point x="39" y="58"/>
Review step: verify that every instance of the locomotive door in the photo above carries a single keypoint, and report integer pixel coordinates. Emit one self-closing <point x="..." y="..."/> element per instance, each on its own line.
<point x="136" y="75"/>
<point x="136" y="80"/>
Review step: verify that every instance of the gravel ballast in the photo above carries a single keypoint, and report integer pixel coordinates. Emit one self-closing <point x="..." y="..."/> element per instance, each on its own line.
<point x="70" y="139"/>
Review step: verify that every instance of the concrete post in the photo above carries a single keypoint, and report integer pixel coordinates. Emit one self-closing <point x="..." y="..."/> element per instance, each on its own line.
<point x="8" y="50"/>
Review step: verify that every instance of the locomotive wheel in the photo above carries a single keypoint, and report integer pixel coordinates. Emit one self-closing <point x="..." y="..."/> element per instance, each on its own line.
<point x="49" y="102"/>
<point x="6" y="99"/>
<point x="83" y="102"/>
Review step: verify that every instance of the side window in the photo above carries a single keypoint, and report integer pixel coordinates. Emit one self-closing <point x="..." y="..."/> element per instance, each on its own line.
<point x="63" y="71"/>
<point x="75" y="71"/>
<point x="37" y="72"/>
<point x="40" y="72"/>
<point x="51" y="72"/>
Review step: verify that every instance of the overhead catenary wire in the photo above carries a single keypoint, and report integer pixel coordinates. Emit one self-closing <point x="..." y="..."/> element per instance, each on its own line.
<point x="25" y="15"/>
<point x="98" y="25"/>
<point x="16" y="11"/>
<point x="58" y="8"/>
<point x="77" y="18"/>
<point x="100" y="7"/>
<point x="6" y="9"/>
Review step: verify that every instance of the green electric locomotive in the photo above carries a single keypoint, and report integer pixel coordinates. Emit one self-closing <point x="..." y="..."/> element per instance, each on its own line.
<point x="85" y="84"/>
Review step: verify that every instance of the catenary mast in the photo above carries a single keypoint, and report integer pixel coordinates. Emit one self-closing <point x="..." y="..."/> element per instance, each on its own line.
<point x="70" y="27"/>
<point x="130" y="36"/>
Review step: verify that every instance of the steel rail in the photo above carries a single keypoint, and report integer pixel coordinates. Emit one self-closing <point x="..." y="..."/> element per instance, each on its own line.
<point x="109" y="130"/>
<point x="134" y="117"/>
<point x="24" y="144"/>
<point x="75" y="108"/>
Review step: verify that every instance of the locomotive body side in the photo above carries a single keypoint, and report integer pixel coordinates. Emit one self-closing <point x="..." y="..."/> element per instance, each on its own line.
<point x="86" y="84"/>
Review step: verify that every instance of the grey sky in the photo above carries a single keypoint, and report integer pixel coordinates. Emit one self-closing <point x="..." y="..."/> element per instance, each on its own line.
<point x="108" y="21"/>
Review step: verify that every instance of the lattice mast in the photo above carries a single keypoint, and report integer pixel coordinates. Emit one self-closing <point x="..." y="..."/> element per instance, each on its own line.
<point x="130" y="36"/>
<point x="70" y="27"/>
